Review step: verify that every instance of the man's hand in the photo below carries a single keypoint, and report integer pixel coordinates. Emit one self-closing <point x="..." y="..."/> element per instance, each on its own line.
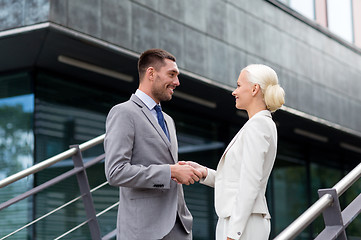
<point x="184" y="174"/>
<point x="203" y="170"/>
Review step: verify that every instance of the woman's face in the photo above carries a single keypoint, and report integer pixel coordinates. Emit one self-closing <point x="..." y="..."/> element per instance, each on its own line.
<point x="243" y="92"/>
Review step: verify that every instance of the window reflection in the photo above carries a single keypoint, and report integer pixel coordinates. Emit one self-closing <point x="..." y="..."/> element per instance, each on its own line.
<point x="16" y="148"/>
<point x="305" y="7"/>
<point x="338" y="13"/>
<point x="340" y="18"/>
<point x="16" y="138"/>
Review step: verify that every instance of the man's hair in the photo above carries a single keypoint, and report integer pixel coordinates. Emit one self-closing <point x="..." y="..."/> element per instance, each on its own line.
<point x="152" y="58"/>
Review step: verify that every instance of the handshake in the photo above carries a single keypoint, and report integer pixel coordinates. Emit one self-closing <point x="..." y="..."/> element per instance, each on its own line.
<point x="187" y="172"/>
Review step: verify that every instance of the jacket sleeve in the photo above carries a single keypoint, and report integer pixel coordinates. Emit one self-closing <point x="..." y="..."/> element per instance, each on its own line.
<point x="118" y="146"/>
<point x="254" y="144"/>
<point x="210" y="179"/>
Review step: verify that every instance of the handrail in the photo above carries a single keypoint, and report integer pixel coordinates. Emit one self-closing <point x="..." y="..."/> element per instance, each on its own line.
<point x="348" y="180"/>
<point x="50" y="161"/>
<point x="317" y="208"/>
<point x="49" y="183"/>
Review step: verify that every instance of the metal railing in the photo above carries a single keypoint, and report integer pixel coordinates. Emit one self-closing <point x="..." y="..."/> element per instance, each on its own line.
<point x="86" y="193"/>
<point x="51" y="161"/>
<point x="328" y="204"/>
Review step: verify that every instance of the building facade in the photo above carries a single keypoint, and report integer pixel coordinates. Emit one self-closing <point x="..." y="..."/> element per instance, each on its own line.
<point x="64" y="64"/>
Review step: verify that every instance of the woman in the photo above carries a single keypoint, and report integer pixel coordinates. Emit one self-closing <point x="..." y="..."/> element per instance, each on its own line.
<point x="242" y="174"/>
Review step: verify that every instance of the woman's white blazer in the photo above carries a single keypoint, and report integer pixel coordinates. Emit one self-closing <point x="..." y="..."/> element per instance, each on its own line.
<point x="242" y="173"/>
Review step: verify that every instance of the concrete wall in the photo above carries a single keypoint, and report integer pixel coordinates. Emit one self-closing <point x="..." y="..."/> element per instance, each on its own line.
<point x="216" y="38"/>
<point x="19" y="13"/>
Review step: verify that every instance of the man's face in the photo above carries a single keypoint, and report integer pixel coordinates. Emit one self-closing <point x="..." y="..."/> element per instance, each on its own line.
<point x="166" y="80"/>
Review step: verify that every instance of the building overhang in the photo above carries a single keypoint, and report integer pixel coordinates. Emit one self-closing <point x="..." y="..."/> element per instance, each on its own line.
<point x="61" y="50"/>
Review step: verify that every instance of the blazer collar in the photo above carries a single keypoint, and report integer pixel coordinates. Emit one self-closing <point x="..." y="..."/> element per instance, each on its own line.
<point x="137" y="100"/>
<point x="266" y="113"/>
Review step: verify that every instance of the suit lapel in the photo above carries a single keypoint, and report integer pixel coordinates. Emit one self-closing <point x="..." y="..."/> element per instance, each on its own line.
<point x="156" y="125"/>
<point x="261" y="113"/>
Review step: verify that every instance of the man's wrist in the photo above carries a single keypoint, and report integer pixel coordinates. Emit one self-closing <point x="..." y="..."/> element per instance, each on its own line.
<point x="172" y="170"/>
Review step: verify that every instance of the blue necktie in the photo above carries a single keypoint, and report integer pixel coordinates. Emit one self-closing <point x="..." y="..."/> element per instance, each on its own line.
<point x="160" y="118"/>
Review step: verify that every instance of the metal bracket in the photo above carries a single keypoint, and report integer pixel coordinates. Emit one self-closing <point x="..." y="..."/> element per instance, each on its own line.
<point x="332" y="216"/>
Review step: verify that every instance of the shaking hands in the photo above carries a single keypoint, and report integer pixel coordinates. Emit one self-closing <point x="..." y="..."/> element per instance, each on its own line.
<point x="187" y="172"/>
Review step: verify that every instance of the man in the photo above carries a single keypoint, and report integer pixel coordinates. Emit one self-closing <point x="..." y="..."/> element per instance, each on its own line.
<point x="141" y="157"/>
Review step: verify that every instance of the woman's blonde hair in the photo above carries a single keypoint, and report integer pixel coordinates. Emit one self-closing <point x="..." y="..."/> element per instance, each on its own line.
<point x="266" y="77"/>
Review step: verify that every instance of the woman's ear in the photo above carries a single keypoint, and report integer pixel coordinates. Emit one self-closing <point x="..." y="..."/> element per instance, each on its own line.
<point x="255" y="89"/>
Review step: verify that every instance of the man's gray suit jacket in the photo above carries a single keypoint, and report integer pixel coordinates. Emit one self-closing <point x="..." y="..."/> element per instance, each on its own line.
<point x="137" y="154"/>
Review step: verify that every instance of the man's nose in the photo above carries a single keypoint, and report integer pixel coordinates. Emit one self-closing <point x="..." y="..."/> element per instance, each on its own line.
<point x="176" y="82"/>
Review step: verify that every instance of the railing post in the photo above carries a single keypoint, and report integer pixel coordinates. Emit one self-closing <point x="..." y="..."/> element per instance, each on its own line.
<point x="86" y="195"/>
<point x="332" y="216"/>
<point x="351" y="211"/>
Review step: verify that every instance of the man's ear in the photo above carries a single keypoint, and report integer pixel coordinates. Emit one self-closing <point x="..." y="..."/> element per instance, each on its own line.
<point x="150" y="73"/>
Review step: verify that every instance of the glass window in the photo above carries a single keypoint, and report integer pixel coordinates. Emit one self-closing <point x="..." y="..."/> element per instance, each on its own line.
<point x="305" y="7"/>
<point x="68" y="112"/>
<point x="289" y="196"/>
<point x="339" y="17"/>
<point x="322" y="177"/>
<point x="198" y="142"/>
<point x="16" y="148"/>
